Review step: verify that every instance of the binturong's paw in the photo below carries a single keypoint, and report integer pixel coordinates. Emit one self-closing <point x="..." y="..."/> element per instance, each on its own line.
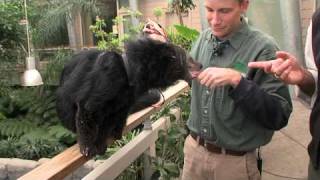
<point x="92" y="150"/>
<point x="88" y="151"/>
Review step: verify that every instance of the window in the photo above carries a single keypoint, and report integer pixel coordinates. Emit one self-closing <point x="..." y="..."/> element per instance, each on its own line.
<point x="123" y="4"/>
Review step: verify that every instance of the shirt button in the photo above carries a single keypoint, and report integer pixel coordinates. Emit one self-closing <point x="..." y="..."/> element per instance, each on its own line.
<point x="205" y="111"/>
<point x="208" y="92"/>
<point x="204" y="130"/>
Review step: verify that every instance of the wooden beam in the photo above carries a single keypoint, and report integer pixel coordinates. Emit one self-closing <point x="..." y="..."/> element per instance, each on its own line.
<point x="69" y="160"/>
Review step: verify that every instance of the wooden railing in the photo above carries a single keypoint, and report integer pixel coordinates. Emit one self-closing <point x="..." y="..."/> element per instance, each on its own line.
<point x="69" y="160"/>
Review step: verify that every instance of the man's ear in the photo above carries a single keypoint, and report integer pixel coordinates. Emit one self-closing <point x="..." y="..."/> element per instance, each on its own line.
<point x="244" y="6"/>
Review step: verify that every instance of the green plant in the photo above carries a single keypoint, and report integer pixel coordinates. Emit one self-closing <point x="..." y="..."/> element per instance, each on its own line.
<point x="134" y="171"/>
<point x="8" y="147"/>
<point x="106" y="41"/>
<point x="183" y="36"/>
<point x="11" y="33"/>
<point x="157" y="12"/>
<point x="111" y="41"/>
<point x="12" y="40"/>
<point x="13" y="45"/>
<point x="55" y="15"/>
<point x="131" y="30"/>
<point x="53" y="69"/>
<point x="33" y="142"/>
<point x="169" y="147"/>
<point x="37" y="144"/>
<point x="29" y="124"/>
<point x="180" y="7"/>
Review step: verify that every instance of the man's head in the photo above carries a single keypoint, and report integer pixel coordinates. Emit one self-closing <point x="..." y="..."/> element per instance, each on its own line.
<point x="224" y="15"/>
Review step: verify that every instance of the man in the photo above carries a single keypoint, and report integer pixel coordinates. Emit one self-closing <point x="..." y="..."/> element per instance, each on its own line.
<point x="287" y="68"/>
<point x="233" y="110"/>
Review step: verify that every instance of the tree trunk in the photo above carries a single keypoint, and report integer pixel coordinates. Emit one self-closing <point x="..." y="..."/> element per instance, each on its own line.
<point x="179" y="14"/>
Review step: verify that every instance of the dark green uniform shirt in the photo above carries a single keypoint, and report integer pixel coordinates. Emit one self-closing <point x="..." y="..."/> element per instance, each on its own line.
<point x="245" y="117"/>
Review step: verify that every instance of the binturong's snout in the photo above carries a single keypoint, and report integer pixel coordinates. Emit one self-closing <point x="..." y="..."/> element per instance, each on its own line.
<point x="194" y="68"/>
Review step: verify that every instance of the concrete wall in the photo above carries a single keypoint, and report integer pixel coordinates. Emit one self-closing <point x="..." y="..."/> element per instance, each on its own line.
<point x="191" y="20"/>
<point x="13" y="168"/>
<point x="306" y="10"/>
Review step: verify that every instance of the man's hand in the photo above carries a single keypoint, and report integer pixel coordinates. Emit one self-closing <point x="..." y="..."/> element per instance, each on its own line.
<point x="215" y="77"/>
<point x="154" y="31"/>
<point x="285" y="67"/>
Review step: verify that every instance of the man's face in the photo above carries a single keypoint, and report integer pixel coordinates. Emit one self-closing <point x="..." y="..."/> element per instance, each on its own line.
<point x="224" y="16"/>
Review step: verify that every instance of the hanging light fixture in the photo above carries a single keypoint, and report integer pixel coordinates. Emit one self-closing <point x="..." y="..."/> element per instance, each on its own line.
<point x="30" y="77"/>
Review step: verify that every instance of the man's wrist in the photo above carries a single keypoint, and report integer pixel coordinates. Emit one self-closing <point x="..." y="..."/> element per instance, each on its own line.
<point x="236" y="79"/>
<point x="307" y="83"/>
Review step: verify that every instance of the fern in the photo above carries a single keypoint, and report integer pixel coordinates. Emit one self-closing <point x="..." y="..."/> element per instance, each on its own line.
<point x="38" y="143"/>
<point x="8" y="147"/>
<point x="15" y="128"/>
<point x="2" y="117"/>
<point x="62" y="134"/>
<point x="36" y="135"/>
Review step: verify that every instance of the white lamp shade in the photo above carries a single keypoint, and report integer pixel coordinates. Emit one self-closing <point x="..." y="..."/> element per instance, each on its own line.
<point x="31" y="77"/>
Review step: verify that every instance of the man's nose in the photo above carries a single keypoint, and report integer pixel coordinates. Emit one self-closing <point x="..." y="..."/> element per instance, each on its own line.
<point x="215" y="18"/>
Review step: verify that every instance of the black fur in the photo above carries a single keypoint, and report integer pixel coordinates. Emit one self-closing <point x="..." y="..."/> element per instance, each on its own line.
<point x="94" y="97"/>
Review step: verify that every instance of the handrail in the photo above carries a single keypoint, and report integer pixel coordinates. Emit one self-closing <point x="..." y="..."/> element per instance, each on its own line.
<point x="69" y="160"/>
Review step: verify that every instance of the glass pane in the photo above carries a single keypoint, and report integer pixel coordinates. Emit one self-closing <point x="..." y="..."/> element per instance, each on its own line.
<point x="266" y="16"/>
<point x="127" y="24"/>
<point x="123" y="3"/>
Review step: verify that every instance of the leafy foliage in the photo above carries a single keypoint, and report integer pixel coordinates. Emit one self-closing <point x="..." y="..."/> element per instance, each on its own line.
<point x="51" y="28"/>
<point x="15" y="128"/>
<point x="157" y="12"/>
<point x="10" y="30"/>
<point x="12" y="39"/>
<point x="187" y="33"/>
<point x="112" y="41"/>
<point x="183" y="36"/>
<point x="169" y="147"/>
<point x="181" y="7"/>
<point x="62" y="134"/>
<point x="30" y="125"/>
<point x="34" y="144"/>
<point x="107" y="41"/>
<point x="13" y="44"/>
<point x="134" y="171"/>
<point x="51" y="75"/>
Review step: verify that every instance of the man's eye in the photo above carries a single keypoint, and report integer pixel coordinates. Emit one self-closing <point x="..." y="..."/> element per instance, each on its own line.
<point x="225" y="10"/>
<point x="209" y="9"/>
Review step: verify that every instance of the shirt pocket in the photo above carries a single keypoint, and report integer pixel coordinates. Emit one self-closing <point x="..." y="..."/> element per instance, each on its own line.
<point x="222" y="103"/>
<point x="225" y="109"/>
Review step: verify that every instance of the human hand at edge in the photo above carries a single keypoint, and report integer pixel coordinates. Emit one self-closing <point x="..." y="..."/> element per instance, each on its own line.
<point x="285" y="68"/>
